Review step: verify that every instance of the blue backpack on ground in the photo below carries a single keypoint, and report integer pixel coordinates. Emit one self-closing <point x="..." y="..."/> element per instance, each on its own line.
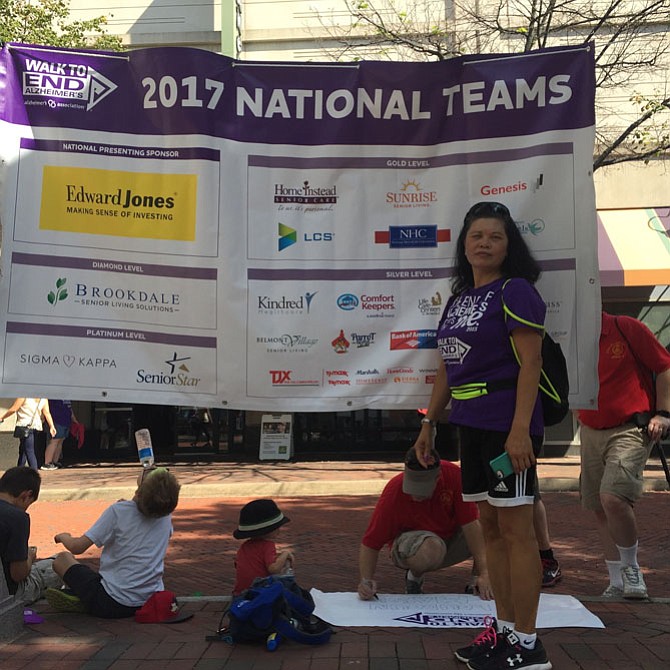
<point x="276" y="606"/>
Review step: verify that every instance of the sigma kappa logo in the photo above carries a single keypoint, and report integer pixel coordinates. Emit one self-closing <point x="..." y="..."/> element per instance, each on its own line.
<point x="72" y="82"/>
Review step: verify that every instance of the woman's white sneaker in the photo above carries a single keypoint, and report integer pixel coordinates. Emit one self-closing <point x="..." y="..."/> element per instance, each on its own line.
<point x="633" y="583"/>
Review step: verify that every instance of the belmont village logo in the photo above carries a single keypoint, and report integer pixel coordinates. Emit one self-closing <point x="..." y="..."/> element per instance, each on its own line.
<point x="65" y="81"/>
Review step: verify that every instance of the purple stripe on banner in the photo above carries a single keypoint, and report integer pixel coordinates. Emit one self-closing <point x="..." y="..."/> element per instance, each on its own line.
<point x="330" y="275"/>
<point x="110" y="334"/>
<point x="395" y="162"/>
<point x="611" y="270"/>
<point x="104" y="265"/>
<point x="121" y="150"/>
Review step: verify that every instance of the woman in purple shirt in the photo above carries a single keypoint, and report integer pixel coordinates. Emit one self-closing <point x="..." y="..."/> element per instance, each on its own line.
<point x="495" y="310"/>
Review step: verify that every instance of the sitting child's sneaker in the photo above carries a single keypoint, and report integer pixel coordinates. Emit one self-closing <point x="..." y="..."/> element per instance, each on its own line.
<point x="64" y="601"/>
<point x="413" y="586"/>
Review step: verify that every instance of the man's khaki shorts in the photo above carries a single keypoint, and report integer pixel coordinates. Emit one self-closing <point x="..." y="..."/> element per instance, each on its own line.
<point x="613" y="461"/>
<point x="407" y="544"/>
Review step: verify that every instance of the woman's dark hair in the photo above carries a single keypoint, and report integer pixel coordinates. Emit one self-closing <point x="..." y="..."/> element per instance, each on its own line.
<point x="518" y="262"/>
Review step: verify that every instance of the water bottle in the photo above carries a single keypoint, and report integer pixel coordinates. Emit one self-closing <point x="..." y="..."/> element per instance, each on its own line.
<point x="272" y="642"/>
<point x="144" y="449"/>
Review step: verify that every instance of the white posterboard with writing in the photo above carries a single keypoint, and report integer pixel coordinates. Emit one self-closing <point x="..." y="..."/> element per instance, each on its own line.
<point x="276" y="437"/>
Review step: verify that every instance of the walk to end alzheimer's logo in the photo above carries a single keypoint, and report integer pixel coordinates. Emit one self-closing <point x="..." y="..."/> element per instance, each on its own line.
<point x="64" y="85"/>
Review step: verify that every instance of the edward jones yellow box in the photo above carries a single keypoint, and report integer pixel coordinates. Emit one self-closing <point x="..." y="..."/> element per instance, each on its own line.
<point x="123" y="204"/>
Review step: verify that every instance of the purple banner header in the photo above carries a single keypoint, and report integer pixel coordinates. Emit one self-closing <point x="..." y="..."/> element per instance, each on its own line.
<point x="178" y="90"/>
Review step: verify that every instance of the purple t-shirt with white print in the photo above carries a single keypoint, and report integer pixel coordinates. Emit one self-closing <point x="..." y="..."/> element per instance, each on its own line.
<point x="473" y="339"/>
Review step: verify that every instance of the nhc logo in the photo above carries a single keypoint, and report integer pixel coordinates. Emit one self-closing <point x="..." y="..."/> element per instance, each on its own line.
<point x="412" y="237"/>
<point x="287" y="236"/>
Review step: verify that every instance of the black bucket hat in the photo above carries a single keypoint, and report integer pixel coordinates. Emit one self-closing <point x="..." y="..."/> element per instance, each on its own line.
<point x="259" y="517"/>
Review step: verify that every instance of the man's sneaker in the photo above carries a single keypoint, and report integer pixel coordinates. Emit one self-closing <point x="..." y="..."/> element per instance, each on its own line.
<point x="485" y="643"/>
<point x="64" y="601"/>
<point x="513" y="656"/>
<point x="413" y="586"/>
<point x="633" y="583"/>
<point x="613" y="592"/>
<point x="551" y="572"/>
<point x="49" y="466"/>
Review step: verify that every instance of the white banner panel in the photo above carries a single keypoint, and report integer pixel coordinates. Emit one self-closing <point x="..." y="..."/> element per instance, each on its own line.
<point x="183" y="228"/>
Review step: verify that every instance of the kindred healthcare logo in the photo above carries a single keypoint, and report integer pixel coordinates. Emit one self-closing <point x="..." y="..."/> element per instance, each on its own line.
<point x="71" y="82"/>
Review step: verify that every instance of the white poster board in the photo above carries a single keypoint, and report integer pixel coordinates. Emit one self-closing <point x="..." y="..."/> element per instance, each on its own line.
<point x="276" y="437"/>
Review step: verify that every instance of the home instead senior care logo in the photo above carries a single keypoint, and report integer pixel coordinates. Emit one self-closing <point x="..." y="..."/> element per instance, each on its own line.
<point x="63" y="84"/>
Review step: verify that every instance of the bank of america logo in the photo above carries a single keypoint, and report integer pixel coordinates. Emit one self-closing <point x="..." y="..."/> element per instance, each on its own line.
<point x="287" y="236"/>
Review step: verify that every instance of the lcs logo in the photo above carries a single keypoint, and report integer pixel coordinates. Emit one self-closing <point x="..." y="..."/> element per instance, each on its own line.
<point x="287" y="236"/>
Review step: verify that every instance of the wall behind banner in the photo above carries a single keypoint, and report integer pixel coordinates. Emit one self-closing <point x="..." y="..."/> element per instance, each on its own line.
<point x="185" y="229"/>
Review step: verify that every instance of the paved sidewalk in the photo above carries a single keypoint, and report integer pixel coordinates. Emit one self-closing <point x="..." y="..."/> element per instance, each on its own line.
<point x="329" y="505"/>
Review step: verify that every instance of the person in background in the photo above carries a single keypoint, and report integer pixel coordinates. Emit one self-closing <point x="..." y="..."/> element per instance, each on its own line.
<point x="63" y="417"/>
<point x="259" y="524"/>
<point x="29" y="414"/>
<point x="421" y="516"/>
<point x="616" y="440"/>
<point x="27" y="577"/>
<point x="490" y="341"/>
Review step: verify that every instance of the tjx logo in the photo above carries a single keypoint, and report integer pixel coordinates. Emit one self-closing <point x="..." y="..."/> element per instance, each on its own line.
<point x="280" y="376"/>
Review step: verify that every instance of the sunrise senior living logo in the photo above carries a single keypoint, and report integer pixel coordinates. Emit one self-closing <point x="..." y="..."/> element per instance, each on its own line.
<point x="65" y="84"/>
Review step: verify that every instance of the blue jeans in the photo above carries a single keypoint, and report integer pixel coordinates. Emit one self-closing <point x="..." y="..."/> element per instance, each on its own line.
<point x="27" y="451"/>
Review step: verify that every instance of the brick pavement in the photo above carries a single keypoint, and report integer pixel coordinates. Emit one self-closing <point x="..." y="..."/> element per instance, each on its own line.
<point x="324" y="532"/>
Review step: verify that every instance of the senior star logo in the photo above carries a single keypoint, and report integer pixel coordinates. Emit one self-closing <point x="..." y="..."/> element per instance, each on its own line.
<point x="172" y="362"/>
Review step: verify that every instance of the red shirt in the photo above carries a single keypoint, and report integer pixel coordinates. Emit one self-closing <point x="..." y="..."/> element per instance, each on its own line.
<point x="252" y="560"/>
<point x="625" y="388"/>
<point x="443" y="514"/>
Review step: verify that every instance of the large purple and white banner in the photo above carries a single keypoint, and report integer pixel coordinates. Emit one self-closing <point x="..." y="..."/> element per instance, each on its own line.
<point x="183" y="228"/>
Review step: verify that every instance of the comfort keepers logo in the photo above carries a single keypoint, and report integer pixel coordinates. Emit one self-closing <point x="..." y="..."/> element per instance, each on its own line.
<point x="122" y="204"/>
<point x="412" y="237"/>
<point x="65" y="81"/>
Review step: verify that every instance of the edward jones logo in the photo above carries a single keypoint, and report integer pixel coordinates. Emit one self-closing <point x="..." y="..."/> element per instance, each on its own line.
<point x="121" y="204"/>
<point x="65" y="81"/>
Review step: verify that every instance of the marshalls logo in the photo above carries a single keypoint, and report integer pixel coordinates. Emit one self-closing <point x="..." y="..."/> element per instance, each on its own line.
<point x="65" y="81"/>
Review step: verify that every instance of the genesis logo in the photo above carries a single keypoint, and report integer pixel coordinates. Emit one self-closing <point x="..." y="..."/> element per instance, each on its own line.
<point x="287" y="236"/>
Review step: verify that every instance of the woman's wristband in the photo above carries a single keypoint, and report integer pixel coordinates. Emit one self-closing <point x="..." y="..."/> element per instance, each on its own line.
<point x="430" y="422"/>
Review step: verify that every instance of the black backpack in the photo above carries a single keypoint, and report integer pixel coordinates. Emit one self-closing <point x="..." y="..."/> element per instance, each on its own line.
<point x="554" y="382"/>
<point x="276" y="606"/>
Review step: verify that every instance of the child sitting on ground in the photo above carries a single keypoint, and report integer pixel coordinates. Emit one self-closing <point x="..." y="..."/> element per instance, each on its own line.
<point x="134" y="536"/>
<point x="260" y="521"/>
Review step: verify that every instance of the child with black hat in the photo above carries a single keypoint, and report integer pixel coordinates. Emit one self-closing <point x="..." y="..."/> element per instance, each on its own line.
<point x="260" y="521"/>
